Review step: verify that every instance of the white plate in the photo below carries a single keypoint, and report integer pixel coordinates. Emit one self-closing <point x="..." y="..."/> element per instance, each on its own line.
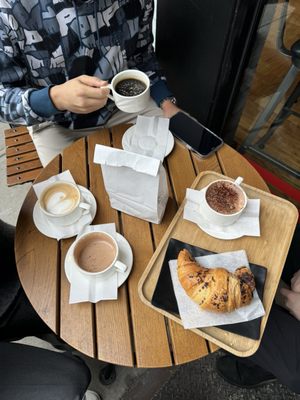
<point x="127" y="137"/>
<point x="125" y="256"/>
<point x="64" y="232"/>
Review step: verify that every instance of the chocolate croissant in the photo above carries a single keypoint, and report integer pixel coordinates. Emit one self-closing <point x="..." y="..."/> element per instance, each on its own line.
<point x="215" y="289"/>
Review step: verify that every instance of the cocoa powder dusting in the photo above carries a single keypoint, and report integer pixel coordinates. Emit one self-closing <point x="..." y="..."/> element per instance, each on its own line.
<point x="224" y="197"/>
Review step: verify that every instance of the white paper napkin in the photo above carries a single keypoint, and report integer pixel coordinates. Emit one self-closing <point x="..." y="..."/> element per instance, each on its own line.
<point x="193" y="316"/>
<point x="69" y="230"/>
<point x="150" y="136"/>
<point x="247" y="224"/>
<point x="93" y="289"/>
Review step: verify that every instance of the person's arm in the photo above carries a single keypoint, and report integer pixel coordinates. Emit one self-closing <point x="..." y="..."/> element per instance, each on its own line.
<point x="145" y="60"/>
<point x="15" y="88"/>
<point x="25" y="105"/>
<point x="14" y="92"/>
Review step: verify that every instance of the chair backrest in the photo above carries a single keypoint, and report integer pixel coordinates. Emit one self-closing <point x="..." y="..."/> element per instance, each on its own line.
<point x="22" y="161"/>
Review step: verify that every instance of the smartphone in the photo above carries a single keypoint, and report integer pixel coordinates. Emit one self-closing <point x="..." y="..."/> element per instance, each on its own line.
<point x="194" y="135"/>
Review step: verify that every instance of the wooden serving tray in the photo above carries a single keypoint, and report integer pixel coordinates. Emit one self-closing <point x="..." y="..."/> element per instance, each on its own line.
<point x="278" y="218"/>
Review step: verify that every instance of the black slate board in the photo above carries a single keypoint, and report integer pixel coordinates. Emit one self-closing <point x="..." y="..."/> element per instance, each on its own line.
<point x="164" y="296"/>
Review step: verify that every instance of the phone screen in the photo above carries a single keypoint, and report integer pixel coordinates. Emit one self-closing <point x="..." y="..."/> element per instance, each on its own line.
<point x="193" y="134"/>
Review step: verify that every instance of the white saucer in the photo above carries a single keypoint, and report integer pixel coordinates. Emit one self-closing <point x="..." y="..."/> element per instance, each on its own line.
<point x="127" y="137"/>
<point x="64" y="232"/>
<point x="125" y="256"/>
<point x="218" y="233"/>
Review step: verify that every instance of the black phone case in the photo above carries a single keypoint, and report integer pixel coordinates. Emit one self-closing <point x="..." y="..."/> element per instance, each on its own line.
<point x="194" y="135"/>
<point x="164" y="296"/>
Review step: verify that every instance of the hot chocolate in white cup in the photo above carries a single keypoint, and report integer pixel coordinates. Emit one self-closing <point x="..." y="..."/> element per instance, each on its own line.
<point x="61" y="203"/>
<point x="130" y="103"/>
<point x="96" y="254"/>
<point x="223" y="201"/>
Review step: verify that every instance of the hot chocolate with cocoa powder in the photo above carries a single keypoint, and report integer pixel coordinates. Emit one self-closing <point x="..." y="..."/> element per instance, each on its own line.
<point x="225" y="197"/>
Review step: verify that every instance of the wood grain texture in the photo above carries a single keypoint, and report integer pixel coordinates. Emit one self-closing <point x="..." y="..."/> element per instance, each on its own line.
<point x="36" y="258"/>
<point x="234" y="167"/>
<point x="146" y="324"/>
<point x="76" y="320"/>
<point x="113" y="329"/>
<point x="125" y="331"/>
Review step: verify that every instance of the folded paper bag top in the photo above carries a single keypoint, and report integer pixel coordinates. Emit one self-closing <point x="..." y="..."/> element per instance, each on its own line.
<point x="136" y="184"/>
<point x="120" y="158"/>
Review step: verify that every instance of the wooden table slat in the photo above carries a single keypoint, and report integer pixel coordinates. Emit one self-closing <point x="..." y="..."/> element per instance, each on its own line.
<point x="238" y="166"/>
<point x="76" y="320"/>
<point x="145" y="323"/>
<point x="21" y="158"/>
<point x="37" y="254"/>
<point x="20" y="149"/>
<point x="113" y="328"/>
<point x="26" y="166"/>
<point x="210" y="163"/>
<point x="8" y="133"/>
<point x="182" y="172"/>
<point x="18" y="140"/>
<point x="186" y="345"/>
<point x="23" y="177"/>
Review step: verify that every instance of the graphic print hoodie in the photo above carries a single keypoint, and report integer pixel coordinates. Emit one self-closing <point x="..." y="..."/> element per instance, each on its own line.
<point x="47" y="42"/>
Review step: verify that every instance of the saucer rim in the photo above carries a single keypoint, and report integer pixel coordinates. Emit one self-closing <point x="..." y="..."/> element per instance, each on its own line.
<point x="124" y="276"/>
<point x="216" y="236"/>
<point x="36" y="218"/>
<point x="170" y="139"/>
<point x="211" y="232"/>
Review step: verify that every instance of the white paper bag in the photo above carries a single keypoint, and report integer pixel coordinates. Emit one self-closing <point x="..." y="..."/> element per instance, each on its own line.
<point x="136" y="184"/>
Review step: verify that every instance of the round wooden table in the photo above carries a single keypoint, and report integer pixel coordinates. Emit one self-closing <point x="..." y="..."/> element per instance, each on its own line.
<point x="124" y="331"/>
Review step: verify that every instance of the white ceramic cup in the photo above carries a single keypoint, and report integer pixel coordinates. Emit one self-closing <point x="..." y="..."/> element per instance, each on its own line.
<point x="219" y="218"/>
<point x="61" y="203"/>
<point x="96" y="254"/>
<point x="130" y="104"/>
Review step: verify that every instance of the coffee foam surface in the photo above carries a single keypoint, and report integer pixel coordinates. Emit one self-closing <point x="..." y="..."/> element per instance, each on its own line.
<point x="60" y="200"/>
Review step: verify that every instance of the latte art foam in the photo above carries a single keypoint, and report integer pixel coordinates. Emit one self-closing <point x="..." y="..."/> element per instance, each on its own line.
<point x="60" y="199"/>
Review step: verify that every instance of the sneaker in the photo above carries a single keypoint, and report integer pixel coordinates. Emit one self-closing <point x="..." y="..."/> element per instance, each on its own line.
<point x="90" y="395"/>
<point x="237" y="373"/>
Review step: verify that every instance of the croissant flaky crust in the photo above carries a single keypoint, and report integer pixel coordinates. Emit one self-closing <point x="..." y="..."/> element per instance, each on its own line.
<point x="215" y="289"/>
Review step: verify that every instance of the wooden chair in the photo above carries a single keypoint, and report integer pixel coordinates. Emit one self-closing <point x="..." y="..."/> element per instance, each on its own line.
<point x="22" y="161"/>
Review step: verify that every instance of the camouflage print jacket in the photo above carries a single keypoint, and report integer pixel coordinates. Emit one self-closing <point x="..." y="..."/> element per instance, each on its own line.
<point x="46" y="42"/>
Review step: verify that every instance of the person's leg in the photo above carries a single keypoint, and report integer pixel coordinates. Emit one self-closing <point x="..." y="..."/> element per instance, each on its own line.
<point x="279" y="352"/>
<point x="17" y="316"/>
<point x="292" y="263"/>
<point x="9" y="282"/>
<point x="51" y="139"/>
<point x="31" y="373"/>
<point x="278" y="356"/>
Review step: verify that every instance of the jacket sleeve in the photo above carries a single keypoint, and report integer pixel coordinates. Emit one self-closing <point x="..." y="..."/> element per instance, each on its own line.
<point x="145" y="59"/>
<point x="14" y="89"/>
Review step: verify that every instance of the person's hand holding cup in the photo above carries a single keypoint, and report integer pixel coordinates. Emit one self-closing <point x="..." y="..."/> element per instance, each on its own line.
<point x="130" y="90"/>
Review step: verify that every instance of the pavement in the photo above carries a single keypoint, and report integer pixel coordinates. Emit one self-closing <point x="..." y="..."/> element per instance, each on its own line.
<point x="193" y="381"/>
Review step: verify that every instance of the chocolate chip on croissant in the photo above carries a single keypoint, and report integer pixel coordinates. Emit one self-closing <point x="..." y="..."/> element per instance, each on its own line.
<point x="215" y="289"/>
